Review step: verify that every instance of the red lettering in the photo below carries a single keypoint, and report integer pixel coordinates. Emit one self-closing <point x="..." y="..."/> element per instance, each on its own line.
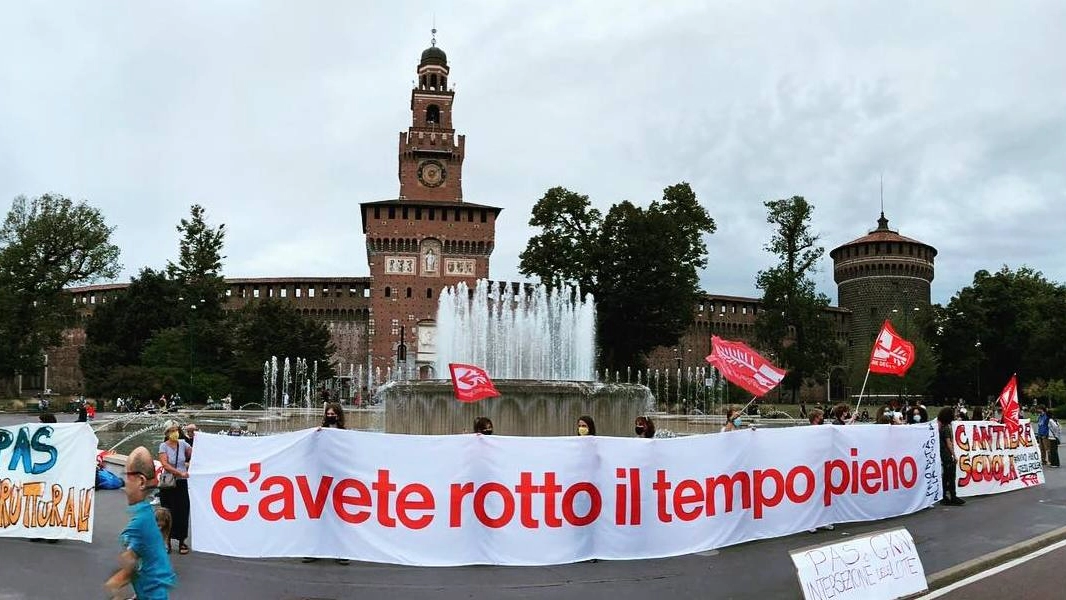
<point x="217" y="504"/>
<point x="455" y="508"/>
<point x="620" y="498"/>
<point x="688" y="491"/>
<point x="342" y="500"/>
<point x="595" y="504"/>
<point x="404" y="504"/>
<point x="318" y="502"/>
<point x="551" y="519"/>
<point x="525" y="490"/>
<point x="729" y="485"/>
<point x="283" y="495"/>
<point x="908" y="463"/>
<point x="384" y="488"/>
<point x="479" y="505"/>
<point x="834" y="488"/>
<point x="760" y="476"/>
<point x="790" y="484"/>
<point x="871" y="477"/>
<point x="661" y="487"/>
<point x="634" y="496"/>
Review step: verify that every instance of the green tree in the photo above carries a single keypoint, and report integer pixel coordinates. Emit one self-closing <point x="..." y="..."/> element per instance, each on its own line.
<point x="640" y="264"/>
<point x="46" y="244"/>
<point x="267" y="328"/>
<point x="118" y="331"/>
<point x="1011" y="321"/>
<point x="793" y="322"/>
<point x="199" y="266"/>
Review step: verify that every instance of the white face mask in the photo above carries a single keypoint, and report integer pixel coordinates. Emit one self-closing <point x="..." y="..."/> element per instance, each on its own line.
<point x="916" y="418"/>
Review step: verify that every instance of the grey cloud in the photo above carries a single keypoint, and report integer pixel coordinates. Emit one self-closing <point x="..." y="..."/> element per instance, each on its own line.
<point x="281" y="118"/>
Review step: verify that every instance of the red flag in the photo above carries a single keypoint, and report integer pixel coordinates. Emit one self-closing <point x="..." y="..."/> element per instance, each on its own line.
<point x="1008" y="400"/>
<point x="471" y="383"/>
<point x="743" y="366"/>
<point x="891" y="354"/>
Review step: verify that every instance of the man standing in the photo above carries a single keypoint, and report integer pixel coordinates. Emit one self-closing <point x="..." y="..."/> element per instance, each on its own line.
<point x="1042" y="432"/>
<point x="143" y="561"/>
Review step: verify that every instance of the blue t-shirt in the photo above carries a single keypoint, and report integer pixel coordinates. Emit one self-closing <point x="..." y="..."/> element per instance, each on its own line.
<point x="154" y="575"/>
<point x="1041" y="424"/>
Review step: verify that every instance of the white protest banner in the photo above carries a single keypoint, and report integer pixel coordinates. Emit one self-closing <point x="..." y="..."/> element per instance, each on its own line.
<point x="47" y="481"/>
<point x="877" y="566"/>
<point x="991" y="460"/>
<point x="469" y="499"/>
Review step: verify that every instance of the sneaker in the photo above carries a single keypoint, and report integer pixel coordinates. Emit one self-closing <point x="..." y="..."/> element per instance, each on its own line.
<point x="309" y="559"/>
<point x="829" y="527"/>
<point x="956" y="501"/>
<point x="815" y="530"/>
<point x="341" y="561"/>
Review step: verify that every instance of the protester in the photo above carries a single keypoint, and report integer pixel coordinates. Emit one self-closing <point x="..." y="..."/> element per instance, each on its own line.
<point x="978" y="414"/>
<point x="332" y="418"/>
<point x="483" y="425"/>
<point x="883" y="416"/>
<point x="175" y="454"/>
<point x="585" y="425"/>
<point x="919" y="414"/>
<point x="644" y="427"/>
<point x="83" y="414"/>
<point x="189" y="433"/>
<point x="733" y="420"/>
<point x="816" y="417"/>
<point x="142" y="561"/>
<point x="841" y="414"/>
<point x="1054" y="434"/>
<point x="90" y="411"/>
<point x="1042" y="432"/>
<point x="947" y="457"/>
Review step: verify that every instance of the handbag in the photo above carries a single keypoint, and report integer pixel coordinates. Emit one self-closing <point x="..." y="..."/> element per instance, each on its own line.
<point x="168" y="479"/>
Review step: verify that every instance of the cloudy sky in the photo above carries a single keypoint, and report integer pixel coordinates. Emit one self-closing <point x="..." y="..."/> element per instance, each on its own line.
<point x="281" y="117"/>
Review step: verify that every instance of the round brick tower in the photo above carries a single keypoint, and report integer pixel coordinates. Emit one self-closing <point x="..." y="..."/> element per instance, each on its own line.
<point x="879" y="276"/>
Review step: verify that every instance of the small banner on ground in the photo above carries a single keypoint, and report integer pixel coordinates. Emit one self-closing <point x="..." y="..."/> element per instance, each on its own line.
<point x="47" y="479"/>
<point x="472" y="499"/>
<point x="878" y="566"/>
<point x="992" y="459"/>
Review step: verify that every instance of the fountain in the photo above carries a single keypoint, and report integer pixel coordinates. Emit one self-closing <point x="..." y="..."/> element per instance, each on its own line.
<point x="538" y="345"/>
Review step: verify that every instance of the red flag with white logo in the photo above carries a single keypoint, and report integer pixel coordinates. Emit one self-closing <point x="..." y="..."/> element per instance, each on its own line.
<point x="1008" y="401"/>
<point x="471" y="383"/>
<point x="744" y="367"/>
<point x="891" y="354"/>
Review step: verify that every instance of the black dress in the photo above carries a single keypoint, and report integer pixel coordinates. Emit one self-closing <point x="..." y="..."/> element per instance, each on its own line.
<point x="176" y="498"/>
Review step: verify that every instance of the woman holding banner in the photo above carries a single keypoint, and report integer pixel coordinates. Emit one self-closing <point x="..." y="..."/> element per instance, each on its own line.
<point x="947" y="457"/>
<point x="733" y="420"/>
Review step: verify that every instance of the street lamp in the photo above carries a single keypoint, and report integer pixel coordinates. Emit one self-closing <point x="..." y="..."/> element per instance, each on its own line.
<point x="978" y="346"/>
<point x="188" y="332"/>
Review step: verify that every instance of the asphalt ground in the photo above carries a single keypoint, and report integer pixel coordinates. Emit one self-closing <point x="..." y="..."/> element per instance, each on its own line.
<point x="1040" y="576"/>
<point x="946" y="538"/>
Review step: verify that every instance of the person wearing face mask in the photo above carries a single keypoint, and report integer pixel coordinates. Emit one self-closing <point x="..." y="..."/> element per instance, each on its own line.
<point x="918" y="415"/>
<point x="586" y="426"/>
<point x="644" y="427"/>
<point x="143" y="563"/>
<point x="733" y="420"/>
<point x="333" y="416"/>
<point x="175" y="454"/>
<point x="483" y="425"/>
<point x="842" y="414"/>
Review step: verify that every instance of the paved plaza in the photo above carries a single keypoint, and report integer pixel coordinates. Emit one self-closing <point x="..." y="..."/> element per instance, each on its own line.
<point x="946" y="537"/>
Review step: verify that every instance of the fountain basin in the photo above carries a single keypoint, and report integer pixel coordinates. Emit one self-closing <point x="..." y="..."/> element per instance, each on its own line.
<point x="524" y="407"/>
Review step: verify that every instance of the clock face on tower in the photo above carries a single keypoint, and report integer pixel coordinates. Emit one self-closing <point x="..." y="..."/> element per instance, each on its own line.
<point x="431" y="173"/>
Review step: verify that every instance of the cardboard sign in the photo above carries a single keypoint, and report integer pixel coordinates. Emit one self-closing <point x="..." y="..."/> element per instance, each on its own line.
<point x="882" y="565"/>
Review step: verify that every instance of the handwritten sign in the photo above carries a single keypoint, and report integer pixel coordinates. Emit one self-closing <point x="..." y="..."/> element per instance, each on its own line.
<point x="879" y="565"/>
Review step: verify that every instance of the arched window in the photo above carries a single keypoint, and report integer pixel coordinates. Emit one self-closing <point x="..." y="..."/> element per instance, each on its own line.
<point x="433" y="114"/>
<point x="388" y="291"/>
<point x="429" y="292"/>
<point x="408" y="292"/>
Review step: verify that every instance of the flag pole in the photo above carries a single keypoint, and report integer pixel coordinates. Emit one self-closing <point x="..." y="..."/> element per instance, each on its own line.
<point x="861" y="391"/>
<point x="748" y="404"/>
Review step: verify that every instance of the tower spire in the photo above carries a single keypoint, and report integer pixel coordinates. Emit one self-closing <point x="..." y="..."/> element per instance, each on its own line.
<point x="433" y="32"/>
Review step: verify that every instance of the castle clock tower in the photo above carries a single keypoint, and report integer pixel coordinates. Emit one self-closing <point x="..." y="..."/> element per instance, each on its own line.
<point x="427" y="238"/>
